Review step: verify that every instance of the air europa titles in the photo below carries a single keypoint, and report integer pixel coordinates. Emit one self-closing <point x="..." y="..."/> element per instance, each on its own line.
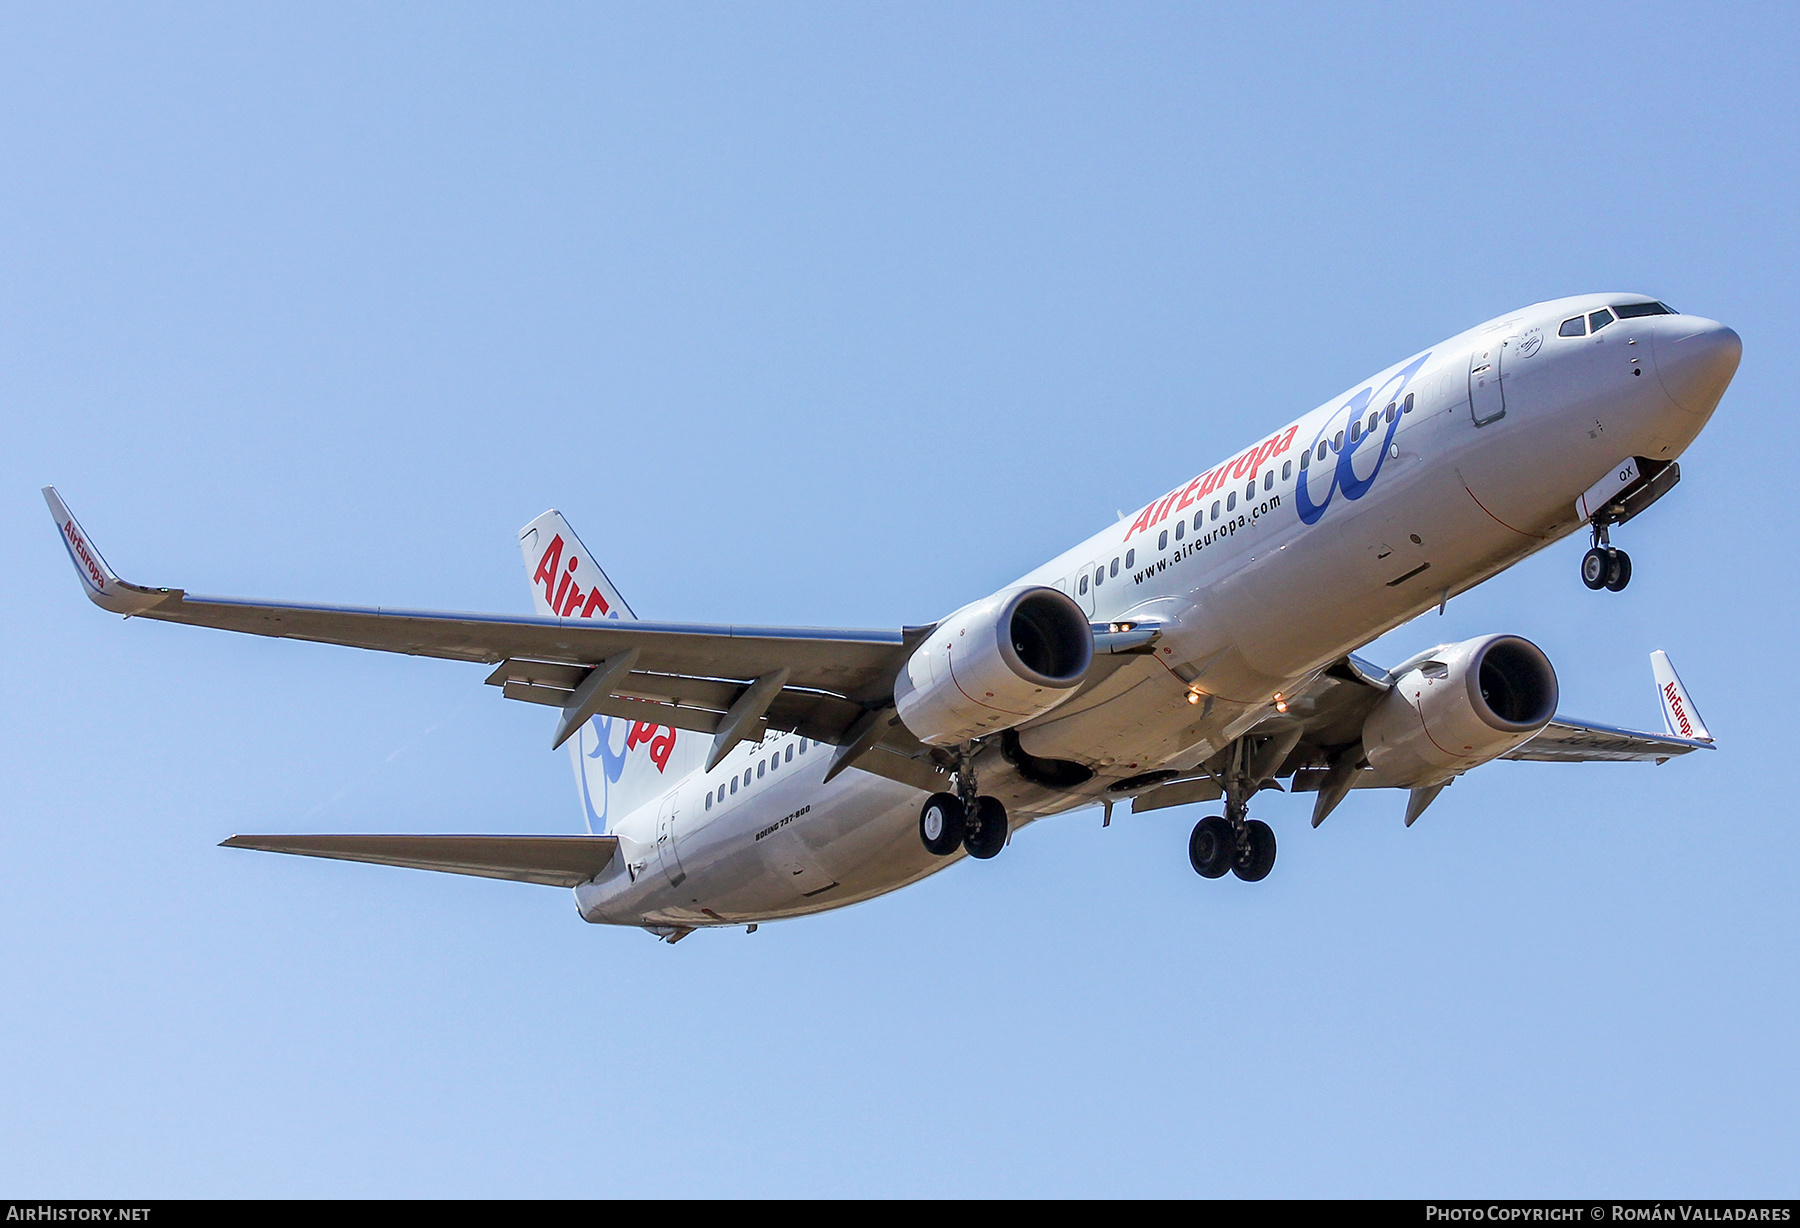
<point x="564" y="594"/>
<point x="90" y="569"/>
<point x="1673" y="694"/>
<point x="1245" y="465"/>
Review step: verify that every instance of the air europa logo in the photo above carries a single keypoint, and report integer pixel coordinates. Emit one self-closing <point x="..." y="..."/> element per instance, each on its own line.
<point x="1675" y="706"/>
<point x="1343" y="475"/>
<point x="90" y="568"/>
<point x="658" y="741"/>
<point x="563" y="592"/>
<point x="1245" y="464"/>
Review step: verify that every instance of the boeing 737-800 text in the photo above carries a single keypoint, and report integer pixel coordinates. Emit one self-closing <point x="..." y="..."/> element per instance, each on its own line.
<point x="1198" y="650"/>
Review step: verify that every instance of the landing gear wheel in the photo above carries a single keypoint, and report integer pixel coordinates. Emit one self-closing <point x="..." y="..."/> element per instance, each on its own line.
<point x="986" y="835"/>
<point x="1212" y="848"/>
<point x="1594" y="568"/>
<point x="1257" y="857"/>
<point x="1618" y="573"/>
<point x="941" y="824"/>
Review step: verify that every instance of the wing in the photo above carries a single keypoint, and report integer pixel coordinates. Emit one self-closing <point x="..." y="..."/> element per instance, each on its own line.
<point x="1566" y="740"/>
<point x="554" y="861"/>
<point x="834" y="686"/>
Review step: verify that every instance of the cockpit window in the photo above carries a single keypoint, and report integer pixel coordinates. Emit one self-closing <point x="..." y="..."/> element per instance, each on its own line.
<point x="1631" y="311"/>
<point x="1576" y="327"/>
<point x="1600" y="319"/>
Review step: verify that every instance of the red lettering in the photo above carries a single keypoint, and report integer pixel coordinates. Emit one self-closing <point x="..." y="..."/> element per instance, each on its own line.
<point x="594" y="599"/>
<point x="575" y="596"/>
<point x="1142" y="522"/>
<point x="546" y="569"/>
<point x="1287" y="440"/>
<point x="661" y="744"/>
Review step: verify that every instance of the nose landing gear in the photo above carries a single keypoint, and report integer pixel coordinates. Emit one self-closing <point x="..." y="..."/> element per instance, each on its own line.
<point x="1605" y="566"/>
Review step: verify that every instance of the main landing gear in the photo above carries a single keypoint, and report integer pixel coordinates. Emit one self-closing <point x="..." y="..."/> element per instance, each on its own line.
<point x="1605" y="566"/>
<point x="1233" y="842"/>
<point x="976" y="823"/>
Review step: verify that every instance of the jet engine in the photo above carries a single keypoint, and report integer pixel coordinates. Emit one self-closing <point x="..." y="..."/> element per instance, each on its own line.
<point x="994" y="664"/>
<point x="1458" y="706"/>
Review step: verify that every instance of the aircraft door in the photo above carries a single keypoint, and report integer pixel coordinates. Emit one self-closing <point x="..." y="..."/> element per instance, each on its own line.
<point x="666" y="854"/>
<point x="1487" y="397"/>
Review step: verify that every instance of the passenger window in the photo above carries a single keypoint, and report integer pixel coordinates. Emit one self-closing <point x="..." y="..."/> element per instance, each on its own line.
<point x="790" y="754"/>
<point x="1575" y="327"/>
<point x="1129" y="556"/>
<point x="746" y="778"/>
<point x="761" y="768"/>
<point x="803" y="746"/>
<point x="1250" y="490"/>
<point x="1230" y="501"/>
<point x="1374" y="417"/>
<point x="1322" y="447"/>
<point x="709" y="799"/>
<point x="1389" y="414"/>
<point x="1304" y="458"/>
<point x="1599" y="320"/>
<point x="1287" y="470"/>
<point x="1215" y="509"/>
<point x="1115" y="563"/>
<point x="1337" y="442"/>
<point x="1198" y="517"/>
<point x="1356" y="430"/>
<point x="1269" y="480"/>
<point x="1099" y="576"/>
<point x="1083" y="587"/>
<point x="1162" y="543"/>
<point x="734" y="784"/>
<point x="1406" y="406"/>
<point x="1180" y="531"/>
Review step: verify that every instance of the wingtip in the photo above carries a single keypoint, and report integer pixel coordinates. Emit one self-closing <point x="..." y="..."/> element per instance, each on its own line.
<point x="103" y="587"/>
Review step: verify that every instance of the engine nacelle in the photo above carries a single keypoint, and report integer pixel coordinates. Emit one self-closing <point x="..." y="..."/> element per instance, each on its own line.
<point x="1458" y="706"/>
<point x="993" y="665"/>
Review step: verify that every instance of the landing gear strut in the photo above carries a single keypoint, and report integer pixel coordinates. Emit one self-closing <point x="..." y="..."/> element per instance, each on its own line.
<point x="1605" y="566"/>
<point x="976" y="823"/>
<point x="1234" y="842"/>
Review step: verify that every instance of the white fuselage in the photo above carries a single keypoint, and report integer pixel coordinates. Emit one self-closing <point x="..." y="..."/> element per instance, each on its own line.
<point x="1260" y="572"/>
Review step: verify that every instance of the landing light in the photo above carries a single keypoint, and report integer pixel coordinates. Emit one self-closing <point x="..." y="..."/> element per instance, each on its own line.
<point x="1280" y="703"/>
<point x="1193" y="697"/>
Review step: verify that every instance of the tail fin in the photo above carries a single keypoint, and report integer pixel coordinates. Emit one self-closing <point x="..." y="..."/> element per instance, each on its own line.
<point x="619" y="764"/>
<point x="565" y="579"/>
<point x="1680" y="717"/>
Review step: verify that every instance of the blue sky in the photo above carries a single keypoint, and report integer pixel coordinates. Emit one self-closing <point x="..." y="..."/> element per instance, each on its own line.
<point x="845" y="315"/>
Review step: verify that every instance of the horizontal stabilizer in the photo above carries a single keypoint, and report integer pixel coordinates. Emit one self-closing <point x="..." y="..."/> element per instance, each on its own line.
<point x="554" y="861"/>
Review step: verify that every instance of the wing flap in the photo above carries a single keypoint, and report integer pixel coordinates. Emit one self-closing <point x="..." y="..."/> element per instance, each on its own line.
<point x="553" y="861"/>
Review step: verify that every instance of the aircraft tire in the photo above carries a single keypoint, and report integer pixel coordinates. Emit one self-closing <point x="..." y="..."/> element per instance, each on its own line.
<point x="1212" y="847"/>
<point x="1257" y="857"/>
<point x="986" y="836"/>
<point x="1594" y="568"/>
<point x="942" y="824"/>
<point x="1618" y="573"/>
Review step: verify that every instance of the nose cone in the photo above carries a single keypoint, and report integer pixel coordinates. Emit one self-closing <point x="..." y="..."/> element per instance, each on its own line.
<point x="1695" y="359"/>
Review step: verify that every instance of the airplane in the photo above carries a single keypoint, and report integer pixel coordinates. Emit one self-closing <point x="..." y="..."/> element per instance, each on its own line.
<point x="1202" y="649"/>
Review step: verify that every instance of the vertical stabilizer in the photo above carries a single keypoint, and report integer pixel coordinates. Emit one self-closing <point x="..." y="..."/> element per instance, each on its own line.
<point x="1680" y="717"/>
<point x="620" y="764"/>
<point x="565" y="579"/>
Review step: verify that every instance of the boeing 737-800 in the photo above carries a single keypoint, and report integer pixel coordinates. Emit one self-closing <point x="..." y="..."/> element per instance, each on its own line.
<point x="1201" y="649"/>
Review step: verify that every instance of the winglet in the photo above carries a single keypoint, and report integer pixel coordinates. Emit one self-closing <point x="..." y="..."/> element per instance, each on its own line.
<point x="104" y="588"/>
<point x="1680" y="717"/>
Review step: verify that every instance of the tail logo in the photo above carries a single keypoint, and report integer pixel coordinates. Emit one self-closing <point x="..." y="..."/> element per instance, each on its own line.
<point x="1673" y="695"/>
<point x="659" y="740"/>
<point x="564" y="593"/>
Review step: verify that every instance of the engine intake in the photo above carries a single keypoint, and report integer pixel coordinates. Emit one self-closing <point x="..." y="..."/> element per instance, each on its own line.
<point x="1458" y="706"/>
<point x="994" y="664"/>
